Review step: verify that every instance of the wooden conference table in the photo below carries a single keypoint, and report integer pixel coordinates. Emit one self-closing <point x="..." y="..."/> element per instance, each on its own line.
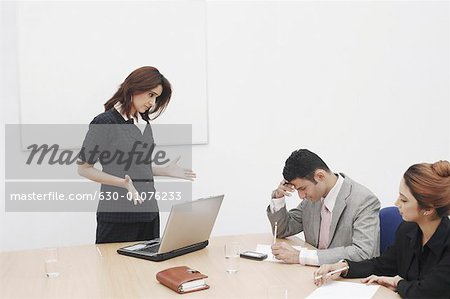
<point x="88" y="272"/>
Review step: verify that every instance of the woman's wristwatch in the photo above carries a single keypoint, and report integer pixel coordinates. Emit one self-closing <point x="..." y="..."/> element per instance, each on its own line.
<point x="344" y="273"/>
<point x="397" y="278"/>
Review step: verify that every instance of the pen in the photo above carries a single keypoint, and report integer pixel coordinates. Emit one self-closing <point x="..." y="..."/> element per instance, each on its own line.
<point x="99" y="252"/>
<point x="275" y="236"/>
<point x="332" y="272"/>
<point x="275" y="233"/>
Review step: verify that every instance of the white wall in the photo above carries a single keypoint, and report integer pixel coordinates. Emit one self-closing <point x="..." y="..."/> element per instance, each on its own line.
<point x="363" y="84"/>
<point x="108" y="39"/>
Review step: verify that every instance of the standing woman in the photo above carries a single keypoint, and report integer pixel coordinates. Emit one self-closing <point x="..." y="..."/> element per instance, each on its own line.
<point x="418" y="264"/>
<point x="127" y="209"/>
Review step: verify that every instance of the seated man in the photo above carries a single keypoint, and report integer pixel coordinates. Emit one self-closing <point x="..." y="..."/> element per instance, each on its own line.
<point x="339" y="216"/>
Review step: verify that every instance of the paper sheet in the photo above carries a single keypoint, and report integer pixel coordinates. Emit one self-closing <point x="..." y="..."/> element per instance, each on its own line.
<point x="340" y="289"/>
<point x="264" y="248"/>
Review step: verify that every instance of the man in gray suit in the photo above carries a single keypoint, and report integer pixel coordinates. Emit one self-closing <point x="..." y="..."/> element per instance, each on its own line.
<point x="338" y="215"/>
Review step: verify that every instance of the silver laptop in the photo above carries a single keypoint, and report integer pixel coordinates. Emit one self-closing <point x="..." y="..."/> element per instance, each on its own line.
<point x="188" y="229"/>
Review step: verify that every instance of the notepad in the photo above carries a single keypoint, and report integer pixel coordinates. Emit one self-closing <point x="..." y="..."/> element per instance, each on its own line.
<point x="340" y="289"/>
<point x="264" y="248"/>
<point x="182" y="279"/>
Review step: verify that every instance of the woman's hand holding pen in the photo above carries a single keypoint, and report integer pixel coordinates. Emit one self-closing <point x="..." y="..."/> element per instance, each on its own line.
<point x="283" y="189"/>
<point x="131" y="189"/>
<point x="174" y="170"/>
<point x="329" y="272"/>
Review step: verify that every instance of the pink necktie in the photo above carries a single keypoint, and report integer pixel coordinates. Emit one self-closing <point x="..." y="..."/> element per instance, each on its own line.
<point x="325" y="222"/>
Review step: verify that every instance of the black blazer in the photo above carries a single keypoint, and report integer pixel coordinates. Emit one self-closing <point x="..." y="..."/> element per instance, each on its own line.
<point x="426" y="271"/>
<point x="110" y="140"/>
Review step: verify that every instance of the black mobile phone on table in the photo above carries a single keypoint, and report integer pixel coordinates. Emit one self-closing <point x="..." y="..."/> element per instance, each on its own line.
<point x="253" y="255"/>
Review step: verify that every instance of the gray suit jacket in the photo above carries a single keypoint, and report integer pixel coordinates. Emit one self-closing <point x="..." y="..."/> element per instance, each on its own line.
<point x="355" y="227"/>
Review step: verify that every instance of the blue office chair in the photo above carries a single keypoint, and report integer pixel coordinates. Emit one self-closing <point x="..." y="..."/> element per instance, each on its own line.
<point x="390" y="219"/>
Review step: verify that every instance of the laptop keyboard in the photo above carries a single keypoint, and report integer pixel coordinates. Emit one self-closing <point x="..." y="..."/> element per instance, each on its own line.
<point x="149" y="249"/>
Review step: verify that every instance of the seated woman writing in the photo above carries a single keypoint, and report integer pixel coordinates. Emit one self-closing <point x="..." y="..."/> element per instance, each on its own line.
<point x="418" y="263"/>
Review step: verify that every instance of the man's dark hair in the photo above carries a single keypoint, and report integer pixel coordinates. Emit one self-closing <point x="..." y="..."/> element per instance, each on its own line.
<point x="303" y="164"/>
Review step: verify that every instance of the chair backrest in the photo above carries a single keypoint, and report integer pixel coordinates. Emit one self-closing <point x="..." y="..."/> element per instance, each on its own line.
<point x="390" y="219"/>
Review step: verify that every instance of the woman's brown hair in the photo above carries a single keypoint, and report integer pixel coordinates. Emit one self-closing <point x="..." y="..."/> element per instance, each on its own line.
<point x="430" y="185"/>
<point x="142" y="80"/>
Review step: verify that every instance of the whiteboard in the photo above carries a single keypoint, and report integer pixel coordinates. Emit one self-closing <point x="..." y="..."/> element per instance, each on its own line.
<point x="74" y="55"/>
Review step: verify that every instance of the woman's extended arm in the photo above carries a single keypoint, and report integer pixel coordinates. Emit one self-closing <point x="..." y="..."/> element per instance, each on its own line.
<point x="174" y="170"/>
<point x="90" y="172"/>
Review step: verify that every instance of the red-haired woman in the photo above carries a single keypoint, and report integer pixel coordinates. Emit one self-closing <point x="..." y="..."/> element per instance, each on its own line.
<point x="122" y="147"/>
<point x="418" y="264"/>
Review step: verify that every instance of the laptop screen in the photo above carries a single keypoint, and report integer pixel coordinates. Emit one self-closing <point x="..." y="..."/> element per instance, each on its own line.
<point x="190" y="223"/>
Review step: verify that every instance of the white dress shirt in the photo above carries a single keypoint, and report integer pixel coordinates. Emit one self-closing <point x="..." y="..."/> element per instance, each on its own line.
<point x="139" y="122"/>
